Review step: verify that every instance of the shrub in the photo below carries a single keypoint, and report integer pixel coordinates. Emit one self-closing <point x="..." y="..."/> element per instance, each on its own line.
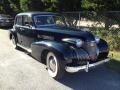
<point x="112" y="36"/>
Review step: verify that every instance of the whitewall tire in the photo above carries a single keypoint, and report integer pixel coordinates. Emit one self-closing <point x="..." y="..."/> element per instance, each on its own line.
<point x="55" y="66"/>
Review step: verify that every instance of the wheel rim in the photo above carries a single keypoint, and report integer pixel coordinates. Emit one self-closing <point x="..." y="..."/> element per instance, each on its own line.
<point x="52" y="64"/>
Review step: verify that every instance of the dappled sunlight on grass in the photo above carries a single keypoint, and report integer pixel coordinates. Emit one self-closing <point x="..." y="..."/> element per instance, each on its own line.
<point x="115" y="55"/>
<point x="114" y="64"/>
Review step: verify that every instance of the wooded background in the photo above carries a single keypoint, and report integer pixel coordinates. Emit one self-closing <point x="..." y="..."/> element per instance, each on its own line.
<point x="104" y="13"/>
<point x="15" y="6"/>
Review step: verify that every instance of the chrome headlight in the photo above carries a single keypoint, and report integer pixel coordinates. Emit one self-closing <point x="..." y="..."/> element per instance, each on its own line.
<point x="97" y="39"/>
<point x="79" y="42"/>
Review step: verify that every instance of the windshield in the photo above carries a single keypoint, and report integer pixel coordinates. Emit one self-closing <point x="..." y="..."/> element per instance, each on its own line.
<point x="48" y="20"/>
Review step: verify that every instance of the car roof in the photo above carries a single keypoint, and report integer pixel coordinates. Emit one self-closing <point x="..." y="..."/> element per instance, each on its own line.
<point x="34" y="13"/>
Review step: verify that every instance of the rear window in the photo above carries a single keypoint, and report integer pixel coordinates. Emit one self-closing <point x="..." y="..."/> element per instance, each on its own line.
<point x="18" y="20"/>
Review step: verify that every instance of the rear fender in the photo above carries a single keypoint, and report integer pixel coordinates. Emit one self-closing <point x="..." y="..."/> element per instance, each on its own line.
<point x="11" y="32"/>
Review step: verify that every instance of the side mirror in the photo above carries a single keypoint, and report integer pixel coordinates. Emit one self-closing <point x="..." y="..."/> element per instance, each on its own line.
<point x="28" y="25"/>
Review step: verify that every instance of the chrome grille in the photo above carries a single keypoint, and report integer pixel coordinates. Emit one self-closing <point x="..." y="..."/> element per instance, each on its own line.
<point x="91" y="48"/>
<point x="81" y="54"/>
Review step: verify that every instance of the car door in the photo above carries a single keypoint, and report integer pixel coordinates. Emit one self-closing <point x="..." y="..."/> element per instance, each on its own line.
<point x="28" y="36"/>
<point x="17" y="26"/>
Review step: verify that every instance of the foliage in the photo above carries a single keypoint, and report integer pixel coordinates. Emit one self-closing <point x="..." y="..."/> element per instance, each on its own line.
<point x="24" y="5"/>
<point x="97" y="26"/>
<point x="69" y="5"/>
<point x="15" y="6"/>
<point x="111" y="36"/>
<point x="101" y="5"/>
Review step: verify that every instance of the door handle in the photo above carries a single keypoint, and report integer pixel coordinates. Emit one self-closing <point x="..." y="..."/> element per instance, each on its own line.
<point x="22" y="29"/>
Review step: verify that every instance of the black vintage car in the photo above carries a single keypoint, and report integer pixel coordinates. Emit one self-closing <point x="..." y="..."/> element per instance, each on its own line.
<point x="50" y="41"/>
<point x="6" y="20"/>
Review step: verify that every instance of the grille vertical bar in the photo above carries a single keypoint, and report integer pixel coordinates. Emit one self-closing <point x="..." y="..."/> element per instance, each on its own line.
<point x="91" y="48"/>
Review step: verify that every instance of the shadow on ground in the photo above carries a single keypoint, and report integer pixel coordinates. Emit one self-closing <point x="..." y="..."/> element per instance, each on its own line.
<point x="5" y="28"/>
<point x="114" y="65"/>
<point x="24" y="51"/>
<point x="99" y="78"/>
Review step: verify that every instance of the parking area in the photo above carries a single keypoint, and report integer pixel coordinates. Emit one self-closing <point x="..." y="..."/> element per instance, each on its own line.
<point x="19" y="71"/>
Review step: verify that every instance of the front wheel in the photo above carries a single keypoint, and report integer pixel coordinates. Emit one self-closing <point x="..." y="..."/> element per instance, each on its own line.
<point x="55" y="66"/>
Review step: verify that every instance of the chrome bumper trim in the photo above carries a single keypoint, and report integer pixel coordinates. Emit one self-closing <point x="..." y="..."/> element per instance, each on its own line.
<point x="85" y="67"/>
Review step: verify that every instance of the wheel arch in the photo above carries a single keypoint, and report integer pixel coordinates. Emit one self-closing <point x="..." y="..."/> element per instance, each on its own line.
<point x="12" y="33"/>
<point x="44" y="56"/>
<point x="40" y="50"/>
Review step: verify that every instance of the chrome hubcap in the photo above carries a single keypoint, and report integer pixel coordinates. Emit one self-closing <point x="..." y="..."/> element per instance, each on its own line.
<point x="52" y="64"/>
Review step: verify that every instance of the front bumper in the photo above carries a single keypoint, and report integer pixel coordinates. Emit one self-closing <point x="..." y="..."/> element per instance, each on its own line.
<point x="85" y="67"/>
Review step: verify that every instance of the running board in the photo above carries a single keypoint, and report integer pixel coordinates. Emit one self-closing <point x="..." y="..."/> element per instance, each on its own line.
<point x="27" y="49"/>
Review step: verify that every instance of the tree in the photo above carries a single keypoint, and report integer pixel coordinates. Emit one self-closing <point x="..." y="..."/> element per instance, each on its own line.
<point x="15" y="6"/>
<point x="69" y="5"/>
<point x="101" y="5"/>
<point x="24" y="5"/>
<point x="9" y="6"/>
<point x="5" y="6"/>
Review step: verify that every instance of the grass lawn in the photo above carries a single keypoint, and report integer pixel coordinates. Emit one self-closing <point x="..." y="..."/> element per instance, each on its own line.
<point x="114" y="64"/>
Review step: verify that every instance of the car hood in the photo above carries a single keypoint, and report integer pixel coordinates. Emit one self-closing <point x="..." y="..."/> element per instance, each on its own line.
<point x="68" y="32"/>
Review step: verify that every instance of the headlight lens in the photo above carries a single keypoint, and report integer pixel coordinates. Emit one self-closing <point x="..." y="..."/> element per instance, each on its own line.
<point x="97" y="39"/>
<point x="79" y="43"/>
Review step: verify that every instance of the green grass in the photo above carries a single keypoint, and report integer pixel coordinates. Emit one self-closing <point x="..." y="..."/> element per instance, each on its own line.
<point x="114" y="64"/>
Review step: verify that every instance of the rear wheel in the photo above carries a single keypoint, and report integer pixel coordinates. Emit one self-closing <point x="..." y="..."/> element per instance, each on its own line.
<point x="55" y="66"/>
<point x="13" y="39"/>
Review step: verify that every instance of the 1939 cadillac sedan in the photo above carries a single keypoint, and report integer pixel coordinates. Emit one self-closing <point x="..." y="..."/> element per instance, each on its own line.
<point x="61" y="48"/>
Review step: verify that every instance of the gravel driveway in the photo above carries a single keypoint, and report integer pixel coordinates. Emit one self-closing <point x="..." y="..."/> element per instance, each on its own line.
<point x="19" y="71"/>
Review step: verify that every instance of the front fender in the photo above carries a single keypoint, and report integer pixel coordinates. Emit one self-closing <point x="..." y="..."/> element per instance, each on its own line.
<point x="60" y="48"/>
<point x="103" y="49"/>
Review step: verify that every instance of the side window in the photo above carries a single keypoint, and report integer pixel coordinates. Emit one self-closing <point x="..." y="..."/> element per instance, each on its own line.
<point x="19" y="20"/>
<point x="59" y="21"/>
<point x="26" y="20"/>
